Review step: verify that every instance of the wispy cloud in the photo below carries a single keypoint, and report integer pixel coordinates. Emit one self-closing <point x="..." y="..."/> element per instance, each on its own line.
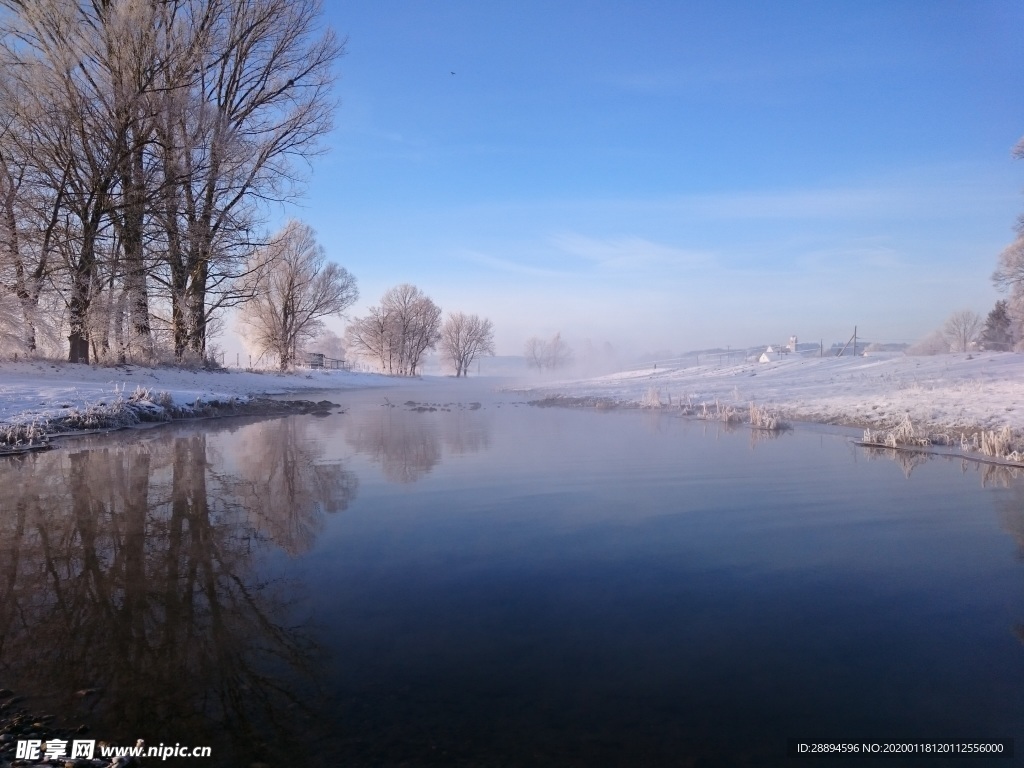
<point x="627" y="253"/>
<point x="939" y="193"/>
<point x="507" y="265"/>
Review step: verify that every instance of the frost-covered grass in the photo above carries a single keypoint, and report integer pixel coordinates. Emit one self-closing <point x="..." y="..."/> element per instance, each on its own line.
<point x="45" y="397"/>
<point x="902" y="434"/>
<point x="724" y="413"/>
<point x="1004" y="444"/>
<point x="21" y="435"/>
<point x="759" y="417"/>
<point x="110" y="413"/>
<point x="651" y="398"/>
<point x="766" y="418"/>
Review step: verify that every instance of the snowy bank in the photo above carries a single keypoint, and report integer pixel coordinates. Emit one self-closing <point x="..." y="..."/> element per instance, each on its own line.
<point x="39" y="398"/>
<point x="946" y="393"/>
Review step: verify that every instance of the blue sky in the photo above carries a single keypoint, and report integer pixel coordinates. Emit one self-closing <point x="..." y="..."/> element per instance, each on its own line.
<point x="676" y="175"/>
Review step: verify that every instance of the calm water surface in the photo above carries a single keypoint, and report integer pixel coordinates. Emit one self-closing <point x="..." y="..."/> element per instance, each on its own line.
<point x="443" y="575"/>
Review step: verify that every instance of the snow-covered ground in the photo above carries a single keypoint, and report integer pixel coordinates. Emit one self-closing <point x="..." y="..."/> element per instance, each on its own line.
<point x="952" y="393"/>
<point x="945" y="392"/>
<point x="42" y="391"/>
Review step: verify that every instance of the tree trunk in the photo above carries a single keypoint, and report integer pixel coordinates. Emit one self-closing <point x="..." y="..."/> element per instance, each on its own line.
<point x="132" y="245"/>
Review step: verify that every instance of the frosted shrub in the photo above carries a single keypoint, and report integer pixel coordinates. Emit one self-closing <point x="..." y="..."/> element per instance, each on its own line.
<point x="141" y="393"/>
<point x="903" y="434"/>
<point x="727" y="414"/>
<point x="21" y="435"/>
<point x="652" y="399"/>
<point x="996" y="442"/>
<point x="764" y="418"/>
<point x="101" y="417"/>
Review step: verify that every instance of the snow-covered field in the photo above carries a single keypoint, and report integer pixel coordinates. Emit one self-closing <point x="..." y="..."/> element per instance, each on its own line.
<point x="943" y="393"/>
<point x="42" y="391"/>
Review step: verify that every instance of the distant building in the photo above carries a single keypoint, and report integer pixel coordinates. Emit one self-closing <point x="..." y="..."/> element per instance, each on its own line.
<point x="321" y="361"/>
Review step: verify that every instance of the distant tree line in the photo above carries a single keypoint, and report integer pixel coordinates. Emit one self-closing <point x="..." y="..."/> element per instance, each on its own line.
<point x="1003" y="328"/>
<point x="965" y="330"/>
<point x="547" y="354"/>
<point x="141" y="142"/>
<point x="397" y="333"/>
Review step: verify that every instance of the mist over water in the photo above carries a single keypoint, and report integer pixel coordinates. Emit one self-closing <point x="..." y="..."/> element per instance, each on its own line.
<point x="444" y="575"/>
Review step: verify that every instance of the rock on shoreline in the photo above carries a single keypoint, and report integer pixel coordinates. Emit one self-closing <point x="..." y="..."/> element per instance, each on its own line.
<point x="18" y="724"/>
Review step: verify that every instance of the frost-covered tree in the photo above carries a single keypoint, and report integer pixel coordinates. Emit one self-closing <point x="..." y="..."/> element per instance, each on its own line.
<point x="294" y="288"/>
<point x="559" y="352"/>
<point x="142" y="141"/>
<point x="397" y="333"/>
<point x="1009" y="274"/>
<point x="551" y="354"/>
<point x="934" y="343"/>
<point x="533" y="351"/>
<point x="962" y="329"/>
<point x="998" y="331"/>
<point x="239" y="118"/>
<point x="465" y="338"/>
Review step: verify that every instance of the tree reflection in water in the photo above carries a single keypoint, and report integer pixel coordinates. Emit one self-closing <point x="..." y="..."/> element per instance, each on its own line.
<point x="283" y="485"/>
<point x="407" y="443"/>
<point x="134" y="568"/>
<point x="405" y="446"/>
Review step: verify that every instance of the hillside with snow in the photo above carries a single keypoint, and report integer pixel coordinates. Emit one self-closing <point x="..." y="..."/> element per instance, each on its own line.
<point x="943" y="392"/>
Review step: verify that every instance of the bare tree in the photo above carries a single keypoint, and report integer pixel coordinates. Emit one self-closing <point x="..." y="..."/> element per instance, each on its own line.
<point x="370" y="337"/>
<point x="1009" y="274"/>
<point x="58" y="75"/>
<point x="551" y="354"/>
<point x="294" y="288"/>
<point x="398" y="332"/>
<point x="962" y="329"/>
<point x="534" y="352"/>
<point x="559" y="352"/>
<point x="254" y="99"/>
<point x="465" y="338"/>
<point x="155" y="134"/>
<point x="23" y="251"/>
